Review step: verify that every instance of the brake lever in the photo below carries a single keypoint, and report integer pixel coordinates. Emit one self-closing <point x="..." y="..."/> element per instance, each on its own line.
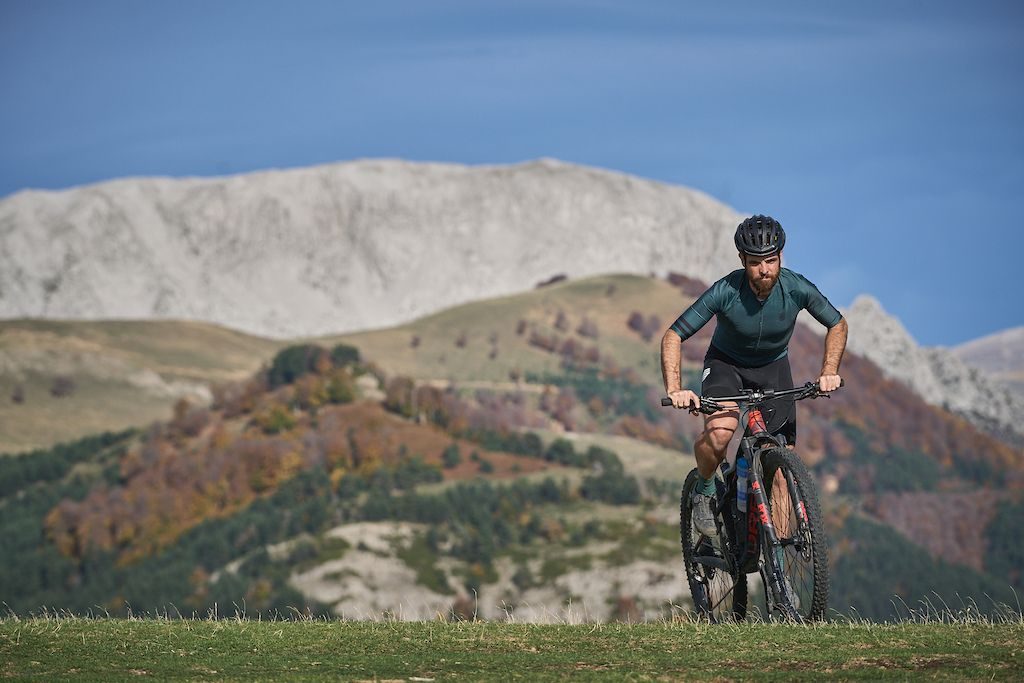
<point x="708" y="407"/>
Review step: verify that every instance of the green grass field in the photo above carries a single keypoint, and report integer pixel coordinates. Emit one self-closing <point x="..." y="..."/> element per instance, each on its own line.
<point x="226" y="649"/>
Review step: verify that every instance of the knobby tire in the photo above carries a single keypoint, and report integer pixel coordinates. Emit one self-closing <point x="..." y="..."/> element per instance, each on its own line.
<point x="808" y="569"/>
<point x="717" y="595"/>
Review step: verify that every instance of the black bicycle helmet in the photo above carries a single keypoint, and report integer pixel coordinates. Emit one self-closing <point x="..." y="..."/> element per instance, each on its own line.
<point x="760" y="235"/>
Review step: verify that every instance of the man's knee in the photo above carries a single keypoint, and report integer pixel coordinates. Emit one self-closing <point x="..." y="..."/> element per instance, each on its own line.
<point x="718" y="437"/>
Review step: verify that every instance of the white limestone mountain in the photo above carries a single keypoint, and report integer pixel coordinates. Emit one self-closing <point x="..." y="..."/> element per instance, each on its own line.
<point x="936" y="374"/>
<point x="342" y="247"/>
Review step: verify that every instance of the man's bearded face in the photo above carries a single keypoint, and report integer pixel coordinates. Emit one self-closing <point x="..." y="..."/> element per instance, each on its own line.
<point x="762" y="272"/>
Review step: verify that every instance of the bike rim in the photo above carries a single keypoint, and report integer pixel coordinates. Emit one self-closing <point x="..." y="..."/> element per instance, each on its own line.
<point x="722" y="597"/>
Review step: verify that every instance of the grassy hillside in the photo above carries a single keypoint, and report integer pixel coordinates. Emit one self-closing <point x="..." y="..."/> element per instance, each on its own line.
<point x="486" y="340"/>
<point x="129" y="373"/>
<point x="242" y="649"/>
<point x="60" y="380"/>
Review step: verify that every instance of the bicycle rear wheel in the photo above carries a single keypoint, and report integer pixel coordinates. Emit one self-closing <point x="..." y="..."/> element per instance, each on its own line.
<point x="796" y="516"/>
<point x="717" y="593"/>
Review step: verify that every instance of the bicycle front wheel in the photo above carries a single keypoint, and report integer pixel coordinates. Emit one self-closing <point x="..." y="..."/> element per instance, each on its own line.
<point x="717" y="593"/>
<point x="796" y="516"/>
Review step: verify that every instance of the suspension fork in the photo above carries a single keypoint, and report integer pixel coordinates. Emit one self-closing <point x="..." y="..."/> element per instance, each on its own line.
<point x="768" y="534"/>
<point x="803" y="522"/>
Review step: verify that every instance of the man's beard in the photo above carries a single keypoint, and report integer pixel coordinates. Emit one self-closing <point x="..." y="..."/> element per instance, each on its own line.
<point x="763" y="287"/>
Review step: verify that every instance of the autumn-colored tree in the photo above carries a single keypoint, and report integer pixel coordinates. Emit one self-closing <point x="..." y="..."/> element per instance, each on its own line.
<point x="636" y="322"/>
<point x="639" y="428"/>
<point x="341" y="387"/>
<point x="239" y="398"/>
<point x="546" y="342"/>
<point x="587" y="328"/>
<point x="565" y="402"/>
<point x="646" y="327"/>
<point x="275" y="419"/>
<point x="309" y="392"/>
<point x="430" y="405"/>
<point x="188" y="420"/>
<point x="398" y="396"/>
<point x="687" y="285"/>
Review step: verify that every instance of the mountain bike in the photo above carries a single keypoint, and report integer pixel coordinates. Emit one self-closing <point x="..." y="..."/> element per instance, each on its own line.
<point x="768" y="521"/>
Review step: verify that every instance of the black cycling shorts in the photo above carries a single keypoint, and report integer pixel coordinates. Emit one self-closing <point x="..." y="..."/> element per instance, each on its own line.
<point x="723" y="376"/>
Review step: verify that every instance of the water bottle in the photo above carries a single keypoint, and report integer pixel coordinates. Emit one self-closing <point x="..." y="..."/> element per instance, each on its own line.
<point x="741" y="483"/>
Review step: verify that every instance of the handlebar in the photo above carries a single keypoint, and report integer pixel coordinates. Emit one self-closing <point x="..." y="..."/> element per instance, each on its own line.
<point x="756" y="397"/>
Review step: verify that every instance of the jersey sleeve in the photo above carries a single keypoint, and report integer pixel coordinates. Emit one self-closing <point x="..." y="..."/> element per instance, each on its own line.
<point x="815" y="303"/>
<point x="700" y="312"/>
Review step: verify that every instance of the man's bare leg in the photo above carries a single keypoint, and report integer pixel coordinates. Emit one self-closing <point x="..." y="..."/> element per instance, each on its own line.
<point x="710" y="447"/>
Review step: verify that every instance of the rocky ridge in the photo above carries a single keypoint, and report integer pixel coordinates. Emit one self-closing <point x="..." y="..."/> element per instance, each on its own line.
<point x="936" y="374"/>
<point x="1000" y="354"/>
<point x="342" y="247"/>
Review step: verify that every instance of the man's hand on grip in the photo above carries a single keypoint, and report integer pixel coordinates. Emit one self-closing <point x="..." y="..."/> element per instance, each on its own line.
<point x="684" y="398"/>
<point x="829" y="382"/>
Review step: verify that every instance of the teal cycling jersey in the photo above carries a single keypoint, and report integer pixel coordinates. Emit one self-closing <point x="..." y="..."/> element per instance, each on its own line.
<point x="753" y="332"/>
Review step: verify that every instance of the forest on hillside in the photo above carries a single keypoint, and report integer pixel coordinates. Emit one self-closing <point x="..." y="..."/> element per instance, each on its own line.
<point x="184" y="513"/>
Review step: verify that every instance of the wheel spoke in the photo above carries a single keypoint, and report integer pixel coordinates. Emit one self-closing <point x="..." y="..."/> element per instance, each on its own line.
<point x="795" y="515"/>
<point x="717" y="594"/>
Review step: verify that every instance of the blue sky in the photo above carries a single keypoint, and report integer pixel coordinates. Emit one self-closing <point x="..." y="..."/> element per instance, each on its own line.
<point x="885" y="136"/>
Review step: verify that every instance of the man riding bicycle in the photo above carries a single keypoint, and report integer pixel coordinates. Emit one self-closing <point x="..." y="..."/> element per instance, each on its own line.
<point x="756" y="309"/>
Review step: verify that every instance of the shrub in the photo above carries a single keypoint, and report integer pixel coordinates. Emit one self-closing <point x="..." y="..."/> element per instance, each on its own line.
<point x="62" y="386"/>
<point x="293" y="362"/>
<point x="340" y="388"/>
<point x="276" y="420"/>
<point x="343" y="354"/>
<point x="451" y="456"/>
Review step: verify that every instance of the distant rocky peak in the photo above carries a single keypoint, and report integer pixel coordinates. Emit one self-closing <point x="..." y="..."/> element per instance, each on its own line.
<point x="871" y="327"/>
<point x="936" y="374"/>
<point x="1001" y="352"/>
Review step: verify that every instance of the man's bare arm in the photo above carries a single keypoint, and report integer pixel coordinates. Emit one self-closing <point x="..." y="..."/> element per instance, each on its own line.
<point x="671" y="359"/>
<point x="835" y="345"/>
